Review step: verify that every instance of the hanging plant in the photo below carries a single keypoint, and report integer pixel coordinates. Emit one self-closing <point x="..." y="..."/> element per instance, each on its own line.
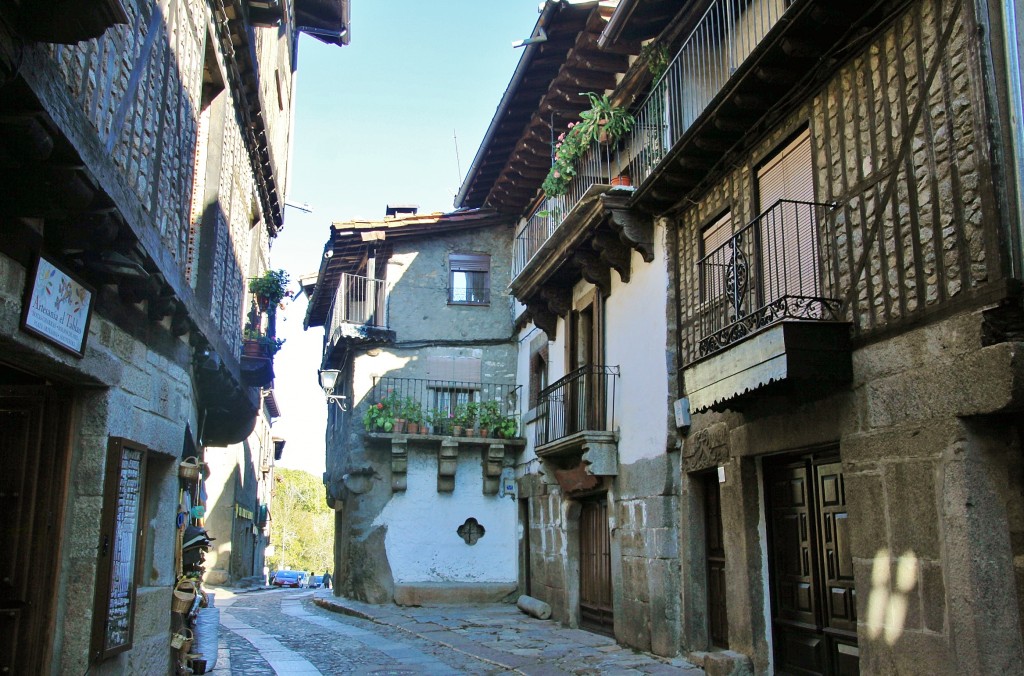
<point x="656" y="56"/>
<point x="603" y="121"/>
<point x="269" y="289"/>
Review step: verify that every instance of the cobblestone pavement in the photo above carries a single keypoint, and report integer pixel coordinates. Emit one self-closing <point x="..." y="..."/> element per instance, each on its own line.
<point x="285" y="632"/>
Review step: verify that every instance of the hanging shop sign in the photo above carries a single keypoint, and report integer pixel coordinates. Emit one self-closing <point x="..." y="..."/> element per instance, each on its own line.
<point x="58" y="307"/>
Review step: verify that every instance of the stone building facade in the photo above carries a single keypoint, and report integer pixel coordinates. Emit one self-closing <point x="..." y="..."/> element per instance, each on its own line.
<point x="832" y="476"/>
<point x="418" y="328"/>
<point x="145" y="169"/>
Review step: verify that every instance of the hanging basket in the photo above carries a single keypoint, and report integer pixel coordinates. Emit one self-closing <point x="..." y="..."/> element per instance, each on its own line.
<point x="189" y="468"/>
<point x="184" y="596"/>
<point x="182" y="639"/>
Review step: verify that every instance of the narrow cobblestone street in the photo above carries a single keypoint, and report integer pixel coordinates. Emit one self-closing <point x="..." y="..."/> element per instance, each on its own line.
<point x="286" y="632"/>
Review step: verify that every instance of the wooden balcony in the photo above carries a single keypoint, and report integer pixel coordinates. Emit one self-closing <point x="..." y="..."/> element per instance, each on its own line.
<point x="359" y="312"/>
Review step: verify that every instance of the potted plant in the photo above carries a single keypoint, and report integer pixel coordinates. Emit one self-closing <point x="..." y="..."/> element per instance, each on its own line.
<point x="603" y="122"/>
<point x="472" y="413"/>
<point x="437" y="419"/>
<point x="378" y="416"/>
<point x="462" y="419"/>
<point x="507" y="428"/>
<point x="255" y="344"/>
<point x="412" y="411"/>
<point x="381" y="416"/>
<point x="490" y="416"/>
<point x="269" y="289"/>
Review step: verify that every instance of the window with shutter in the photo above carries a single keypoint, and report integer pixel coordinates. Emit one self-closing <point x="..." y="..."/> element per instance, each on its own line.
<point x="469" y="279"/>
<point x="787" y="236"/>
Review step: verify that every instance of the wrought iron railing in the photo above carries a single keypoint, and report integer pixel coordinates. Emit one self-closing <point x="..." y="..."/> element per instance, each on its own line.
<point x="438" y="406"/>
<point x="602" y="164"/>
<point x="722" y="40"/>
<point x="583" y="400"/>
<point x="768" y="271"/>
<point x="359" y="300"/>
<point x="726" y="34"/>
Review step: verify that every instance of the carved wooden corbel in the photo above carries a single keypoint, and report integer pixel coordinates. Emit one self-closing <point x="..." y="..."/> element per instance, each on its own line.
<point x="545" y="319"/>
<point x="558" y="298"/>
<point x="594" y="270"/>
<point x="635" y="229"/>
<point x="613" y="252"/>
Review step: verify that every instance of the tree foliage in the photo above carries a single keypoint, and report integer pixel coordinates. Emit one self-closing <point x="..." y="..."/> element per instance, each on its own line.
<point x="302" y="530"/>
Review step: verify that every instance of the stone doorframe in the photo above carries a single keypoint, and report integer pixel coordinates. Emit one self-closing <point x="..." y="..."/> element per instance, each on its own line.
<point x="571" y="508"/>
<point x="746" y="562"/>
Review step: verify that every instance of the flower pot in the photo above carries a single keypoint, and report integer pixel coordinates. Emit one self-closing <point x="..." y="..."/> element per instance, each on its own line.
<point x="457" y="430"/>
<point x="621" y="180"/>
<point x="412" y="428"/>
<point x="252" y="348"/>
<point x="484" y="432"/>
<point x="399" y="426"/>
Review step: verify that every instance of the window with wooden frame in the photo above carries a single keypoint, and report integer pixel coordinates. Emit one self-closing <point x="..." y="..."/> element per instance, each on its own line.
<point x="121" y="543"/>
<point x="469" y="279"/>
<point x="538" y="373"/>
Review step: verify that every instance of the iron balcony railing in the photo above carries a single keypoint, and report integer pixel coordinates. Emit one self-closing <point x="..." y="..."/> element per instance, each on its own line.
<point x="768" y="271"/>
<point x="438" y="406"/>
<point x="582" y="401"/>
<point x="727" y="33"/>
<point x="359" y="300"/>
<point x="602" y="164"/>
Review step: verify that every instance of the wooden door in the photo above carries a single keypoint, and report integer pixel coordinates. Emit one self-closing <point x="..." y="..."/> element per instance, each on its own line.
<point x="714" y="553"/>
<point x="814" y="618"/>
<point x="34" y="423"/>
<point x="595" y="567"/>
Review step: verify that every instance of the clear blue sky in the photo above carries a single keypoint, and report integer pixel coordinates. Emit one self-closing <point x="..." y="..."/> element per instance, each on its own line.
<point x="374" y="124"/>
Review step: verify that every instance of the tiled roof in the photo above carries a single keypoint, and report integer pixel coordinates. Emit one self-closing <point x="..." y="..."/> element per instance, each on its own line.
<point x="346" y="248"/>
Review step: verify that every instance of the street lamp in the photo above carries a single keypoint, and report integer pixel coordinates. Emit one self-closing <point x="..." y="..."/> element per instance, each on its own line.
<point x="328" y="381"/>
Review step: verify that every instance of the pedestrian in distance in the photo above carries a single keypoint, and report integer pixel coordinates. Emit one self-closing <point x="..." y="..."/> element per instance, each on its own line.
<point x="327" y="579"/>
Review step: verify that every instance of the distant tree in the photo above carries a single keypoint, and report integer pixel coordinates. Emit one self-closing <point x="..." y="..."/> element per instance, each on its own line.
<point x="302" y="529"/>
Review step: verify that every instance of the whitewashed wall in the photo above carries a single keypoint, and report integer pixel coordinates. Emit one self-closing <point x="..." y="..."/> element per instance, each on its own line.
<point x="422" y="542"/>
<point x="635" y="338"/>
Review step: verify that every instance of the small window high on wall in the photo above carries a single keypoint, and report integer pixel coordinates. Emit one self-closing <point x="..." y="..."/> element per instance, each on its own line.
<point x="469" y="279"/>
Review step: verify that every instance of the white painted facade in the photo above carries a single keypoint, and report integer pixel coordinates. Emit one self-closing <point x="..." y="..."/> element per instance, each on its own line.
<point x="423" y="545"/>
<point x="634" y="340"/>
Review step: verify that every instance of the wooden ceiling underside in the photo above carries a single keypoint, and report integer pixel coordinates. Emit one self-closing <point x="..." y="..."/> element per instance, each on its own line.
<point x="550" y="95"/>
